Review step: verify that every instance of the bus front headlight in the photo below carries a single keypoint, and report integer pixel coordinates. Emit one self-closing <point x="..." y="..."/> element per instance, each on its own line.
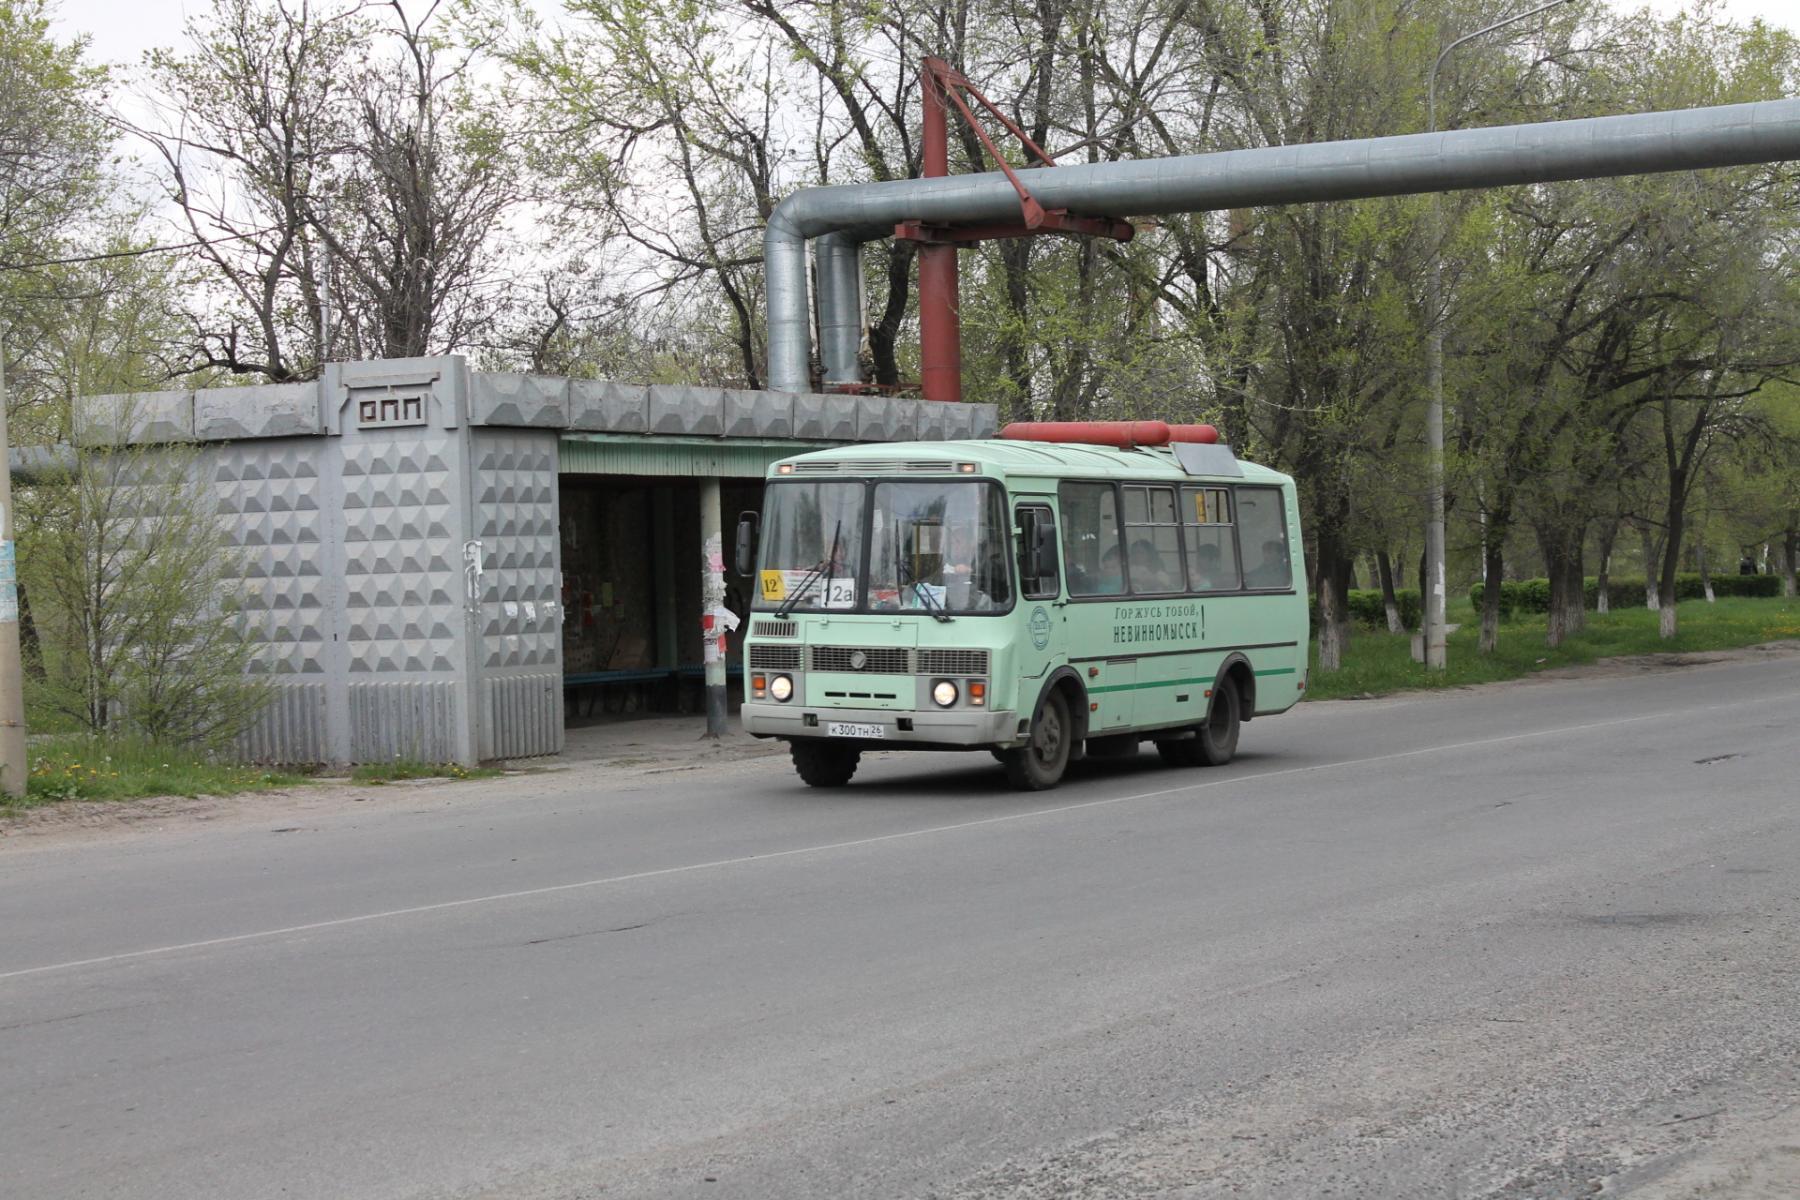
<point x="944" y="692"/>
<point x="782" y="688"/>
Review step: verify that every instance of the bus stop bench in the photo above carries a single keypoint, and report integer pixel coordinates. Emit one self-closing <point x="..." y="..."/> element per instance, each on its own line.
<point x="594" y="684"/>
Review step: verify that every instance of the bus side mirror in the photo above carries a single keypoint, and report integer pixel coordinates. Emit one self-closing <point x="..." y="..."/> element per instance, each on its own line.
<point x="746" y="543"/>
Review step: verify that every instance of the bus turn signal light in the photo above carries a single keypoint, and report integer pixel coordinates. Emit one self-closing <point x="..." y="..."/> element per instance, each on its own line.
<point x="759" y="686"/>
<point x="977" y="692"/>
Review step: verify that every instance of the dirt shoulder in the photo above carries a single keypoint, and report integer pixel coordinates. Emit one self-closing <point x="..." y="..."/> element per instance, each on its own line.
<point x="586" y="768"/>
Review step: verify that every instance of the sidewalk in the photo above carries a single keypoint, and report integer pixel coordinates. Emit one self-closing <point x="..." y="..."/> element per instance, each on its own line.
<point x="672" y="742"/>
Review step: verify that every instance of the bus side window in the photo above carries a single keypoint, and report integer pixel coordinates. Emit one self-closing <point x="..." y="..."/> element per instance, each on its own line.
<point x="1264" y="521"/>
<point x="1153" y="540"/>
<point x="1037" y="526"/>
<point x="1211" y="539"/>
<point x="1091" y="551"/>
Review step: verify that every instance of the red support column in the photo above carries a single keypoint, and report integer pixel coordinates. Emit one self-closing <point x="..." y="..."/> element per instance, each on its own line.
<point x="940" y="330"/>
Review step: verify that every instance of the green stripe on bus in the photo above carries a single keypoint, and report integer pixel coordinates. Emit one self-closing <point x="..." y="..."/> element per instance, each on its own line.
<point x="1156" y="683"/>
<point x="1129" y="687"/>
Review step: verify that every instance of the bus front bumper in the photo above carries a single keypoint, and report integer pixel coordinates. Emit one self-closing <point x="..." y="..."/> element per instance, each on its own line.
<point x="948" y="727"/>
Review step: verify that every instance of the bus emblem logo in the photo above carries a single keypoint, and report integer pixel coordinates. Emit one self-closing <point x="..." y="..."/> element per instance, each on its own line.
<point x="1040" y="627"/>
<point x="858" y="660"/>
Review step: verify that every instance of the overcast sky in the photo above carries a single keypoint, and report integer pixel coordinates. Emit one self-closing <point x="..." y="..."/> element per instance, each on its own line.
<point x="123" y="29"/>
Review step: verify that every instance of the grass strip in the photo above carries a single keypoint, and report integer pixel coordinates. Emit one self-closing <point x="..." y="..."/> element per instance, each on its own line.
<point x="84" y="767"/>
<point x="406" y="768"/>
<point x="1380" y="663"/>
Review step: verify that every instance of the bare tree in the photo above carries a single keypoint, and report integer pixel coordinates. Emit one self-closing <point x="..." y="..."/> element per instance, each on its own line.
<point x="342" y="167"/>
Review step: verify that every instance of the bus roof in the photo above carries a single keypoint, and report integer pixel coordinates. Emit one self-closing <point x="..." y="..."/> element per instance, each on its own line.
<point x="1001" y="459"/>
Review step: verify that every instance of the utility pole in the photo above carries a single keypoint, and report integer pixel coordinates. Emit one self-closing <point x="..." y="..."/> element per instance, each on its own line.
<point x="12" y="680"/>
<point x="716" y="620"/>
<point x="1433" y="585"/>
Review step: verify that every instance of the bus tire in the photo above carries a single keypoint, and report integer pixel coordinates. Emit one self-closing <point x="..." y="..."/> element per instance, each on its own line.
<point x="1215" y="741"/>
<point x="824" y="765"/>
<point x="1039" y="764"/>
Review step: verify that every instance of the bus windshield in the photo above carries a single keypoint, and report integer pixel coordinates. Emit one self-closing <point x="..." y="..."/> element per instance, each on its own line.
<point x="811" y="546"/>
<point x="935" y="548"/>
<point x="939" y="547"/>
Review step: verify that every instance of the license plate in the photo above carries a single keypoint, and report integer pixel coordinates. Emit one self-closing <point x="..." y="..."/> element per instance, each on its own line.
<point x="854" y="729"/>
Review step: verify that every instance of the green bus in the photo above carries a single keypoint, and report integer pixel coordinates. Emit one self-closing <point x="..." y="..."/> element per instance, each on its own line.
<point x="1035" y="599"/>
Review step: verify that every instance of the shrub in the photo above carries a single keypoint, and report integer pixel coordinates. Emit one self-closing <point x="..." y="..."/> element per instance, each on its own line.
<point x="1368" y="609"/>
<point x="1533" y="595"/>
<point x="133" y="585"/>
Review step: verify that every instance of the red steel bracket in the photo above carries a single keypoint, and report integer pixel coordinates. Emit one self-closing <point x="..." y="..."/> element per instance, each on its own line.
<point x="1037" y="219"/>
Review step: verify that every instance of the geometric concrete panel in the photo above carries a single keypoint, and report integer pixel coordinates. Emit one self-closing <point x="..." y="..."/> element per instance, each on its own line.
<point x="959" y="421"/>
<point x="521" y="715"/>
<point x="682" y="411"/>
<point x="267" y="411"/>
<point x="984" y="420"/>
<point x="601" y="407"/>
<point x="146" y="418"/>
<point x="291" y="730"/>
<point x="414" y="720"/>
<point x="880" y="419"/>
<point x="933" y="420"/>
<point x="758" y="414"/>
<point x="527" y="401"/>
<point x="519" y="626"/>
<point x="825" y="418"/>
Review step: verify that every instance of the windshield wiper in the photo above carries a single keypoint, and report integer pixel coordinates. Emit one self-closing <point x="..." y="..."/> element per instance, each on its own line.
<point x="806" y="580"/>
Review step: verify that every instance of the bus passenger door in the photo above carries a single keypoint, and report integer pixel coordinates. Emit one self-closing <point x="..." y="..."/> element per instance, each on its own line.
<point x="1041" y="644"/>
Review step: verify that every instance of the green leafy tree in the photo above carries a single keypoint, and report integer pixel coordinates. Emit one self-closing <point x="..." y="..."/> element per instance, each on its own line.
<point x="133" y="576"/>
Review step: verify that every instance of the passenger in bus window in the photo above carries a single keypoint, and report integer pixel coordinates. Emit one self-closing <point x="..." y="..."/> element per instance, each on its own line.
<point x="1112" y="573"/>
<point x="1148" y="573"/>
<point x="1273" y="571"/>
<point x="1207" y="575"/>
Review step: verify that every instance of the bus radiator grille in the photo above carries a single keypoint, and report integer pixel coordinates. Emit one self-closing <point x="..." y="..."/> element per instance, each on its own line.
<point x="883" y="660"/>
<point x="774" y="629"/>
<point x="953" y="662"/>
<point x="774" y="658"/>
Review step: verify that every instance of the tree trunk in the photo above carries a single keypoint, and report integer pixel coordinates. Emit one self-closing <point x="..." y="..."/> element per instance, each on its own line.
<point x="1562" y="564"/>
<point x="1575" y="586"/>
<point x="1603" y="582"/>
<point x="1671" y="557"/>
<point x="1705" y="575"/>
<point x="1384" y="567"/>
<point x="1334" y="600"/>
<point x="1492" y="567"/>
<point x="1650" y="568"/>
<point x="1790" y="562"/>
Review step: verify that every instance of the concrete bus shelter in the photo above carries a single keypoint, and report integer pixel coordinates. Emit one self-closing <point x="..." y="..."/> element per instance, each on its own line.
<point x="432" y="553"/>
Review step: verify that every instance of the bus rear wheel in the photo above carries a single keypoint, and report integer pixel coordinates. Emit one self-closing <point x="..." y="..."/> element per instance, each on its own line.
<point x="824" y="764"/>
<point x="1215" y="740"/>
<point x="1041" y="761"/>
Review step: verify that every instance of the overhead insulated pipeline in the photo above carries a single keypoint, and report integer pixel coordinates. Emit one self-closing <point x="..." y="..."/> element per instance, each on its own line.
<point x="846" y="215"/>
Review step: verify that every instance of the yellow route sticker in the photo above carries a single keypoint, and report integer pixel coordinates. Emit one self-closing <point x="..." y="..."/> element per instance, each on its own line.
<point x="774" y="585"/>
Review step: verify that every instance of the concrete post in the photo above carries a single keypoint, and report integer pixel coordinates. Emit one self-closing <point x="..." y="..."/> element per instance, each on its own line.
<point x="12" y="683"/>
<point x="714" y="615"/>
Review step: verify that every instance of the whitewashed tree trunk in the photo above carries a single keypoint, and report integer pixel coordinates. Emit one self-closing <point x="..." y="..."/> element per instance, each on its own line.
<point x="1651" y="566"/>
<point x="1666" y="625"/>
<point x="1705" y="575"/>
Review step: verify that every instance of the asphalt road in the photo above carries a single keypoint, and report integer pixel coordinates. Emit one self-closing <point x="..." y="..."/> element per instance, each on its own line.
<point x="1533" y="940"/>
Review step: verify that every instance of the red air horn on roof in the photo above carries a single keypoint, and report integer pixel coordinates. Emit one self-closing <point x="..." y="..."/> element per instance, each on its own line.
<point x="1123" y="435"/>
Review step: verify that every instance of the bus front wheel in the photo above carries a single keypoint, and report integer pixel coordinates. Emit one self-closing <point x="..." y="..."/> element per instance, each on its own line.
<point x="1040" y="762"/>
<point x="824" y="764"/>
<point x="1215" y="740"/>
